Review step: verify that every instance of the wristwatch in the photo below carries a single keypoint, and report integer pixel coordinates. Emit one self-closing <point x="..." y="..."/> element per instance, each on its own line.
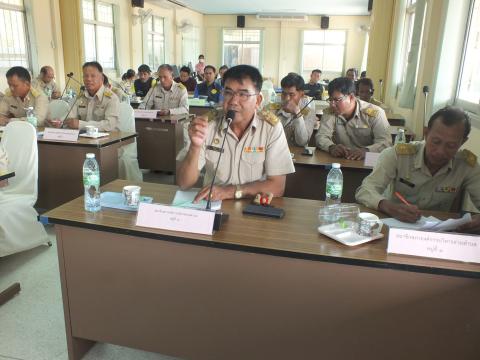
<point x="238" y="192"/>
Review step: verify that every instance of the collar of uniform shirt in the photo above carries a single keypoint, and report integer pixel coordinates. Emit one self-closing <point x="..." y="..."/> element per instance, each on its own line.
<point x="98" y="94"/>
<point x="253" y="124"/>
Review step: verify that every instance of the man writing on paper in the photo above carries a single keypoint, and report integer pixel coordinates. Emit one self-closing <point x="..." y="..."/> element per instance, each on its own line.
<point x="20" y="96"/>
<point x="429" y="174"/>
<point x="297" y="112"/>
<point x="350" y="127"/>
<point x="169" y="97"/>
<point x="256" y="157"/>
<point x="96" y="106"/>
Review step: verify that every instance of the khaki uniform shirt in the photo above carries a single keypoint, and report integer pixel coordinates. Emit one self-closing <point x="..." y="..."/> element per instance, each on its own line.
<point x="14" y="106"/>
<point x="3" y="161"/>
<point x="299" y="130"/>
<point x="43" y="86"/>
<point x="402" y="168"/>
<point x="368" y="128"/>
<point x="262" y="151"/>
<point x="175" y="99"/>
<point x="100" y="110"/>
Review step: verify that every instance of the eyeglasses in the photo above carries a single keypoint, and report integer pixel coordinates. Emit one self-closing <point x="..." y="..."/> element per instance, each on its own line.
<point x="242" y="94"/>
<point x="336" y="100"/>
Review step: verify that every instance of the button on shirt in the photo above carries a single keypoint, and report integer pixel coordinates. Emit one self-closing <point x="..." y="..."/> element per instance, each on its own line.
<point x="262" y="151"/>
<point x="402" y="168"/>
<point x="368" y="128"/>
<point x="15" y="107"/>
<point x="299" y="130"/>
<point x="175" y="99"/>
<point x="100" y="110"/>
<point x="45" y="87"/>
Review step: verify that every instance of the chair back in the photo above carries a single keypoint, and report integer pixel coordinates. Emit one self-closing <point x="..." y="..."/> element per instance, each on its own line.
<point x="57" y="109"/>
<point x="19" y="141"/>
<point x="126" y="118"/>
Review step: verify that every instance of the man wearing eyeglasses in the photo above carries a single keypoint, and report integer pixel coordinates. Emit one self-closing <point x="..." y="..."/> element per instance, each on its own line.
<point x="297" y="111"/>
<point x="255" y="158"/>
<point x="351" y="127"/>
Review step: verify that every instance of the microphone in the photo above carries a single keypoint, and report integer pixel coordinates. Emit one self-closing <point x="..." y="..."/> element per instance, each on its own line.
<point x="425" y="90"/>
<point x="151" y="93"/>
<point x="229" y="117"/>
<point x="381" y="89"/>
<point x="82" y="88"/>
<point x="70" y="77"/>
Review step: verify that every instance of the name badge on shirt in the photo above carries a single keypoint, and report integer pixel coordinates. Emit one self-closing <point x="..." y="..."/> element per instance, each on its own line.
<point x="254" y="149"/>
<point x="13" y="106"/>
<point x="406" y="182"/>
<point x="214" y="148"/>
<point x="159" y="97"/>
<point x="446" y="189"/>
<point x="82" y="106"/>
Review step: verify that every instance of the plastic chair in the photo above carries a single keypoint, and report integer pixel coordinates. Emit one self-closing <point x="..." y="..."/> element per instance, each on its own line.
<point x="128" y="168"/>
<point x="19" y="228"/>
<point x="57" y="109"/>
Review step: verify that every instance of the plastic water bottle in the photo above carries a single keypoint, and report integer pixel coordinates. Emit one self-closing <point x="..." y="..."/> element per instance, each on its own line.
<point x="91" y="183"/>
<point x="31" y="118"/>
<point x="400" y="138"/>
<point x="334" y="188"/>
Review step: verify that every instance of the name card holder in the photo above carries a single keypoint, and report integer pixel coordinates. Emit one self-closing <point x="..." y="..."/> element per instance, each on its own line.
<point x="60" y="134"/>
<point x="145" y="114"/>
<point x="175" y="218"/>
<point x="436" y="245"/>
<point x="371" y="159"/>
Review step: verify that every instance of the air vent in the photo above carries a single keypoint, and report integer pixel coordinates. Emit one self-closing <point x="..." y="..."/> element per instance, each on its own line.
<point x="282" y="17"/>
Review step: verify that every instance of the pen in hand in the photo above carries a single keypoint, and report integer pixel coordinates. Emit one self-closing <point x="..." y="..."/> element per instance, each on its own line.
<point x="401" y="198"/>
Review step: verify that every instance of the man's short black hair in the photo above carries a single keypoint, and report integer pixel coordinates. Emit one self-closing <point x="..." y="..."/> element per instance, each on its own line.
<point x="452" y="116"/>
<point x="365" y="81"/>
<point x="106" y="82"/>
<point x="144" y="68"/>
<point x="223" y="67"/>
<point x="241" y="72"/>
<point x="341" y="84"/>
<point x="94" y="64"/>
<point x="363" y="74"/>
<point x="201" y="56"/>
<point x="317" y="71"/>
<point x="211" y="67"/>
<point x="355" y="71"/>
<point x="185" y="69"/>
<point x="21" y="73"/>
<point x="293" y="79"/>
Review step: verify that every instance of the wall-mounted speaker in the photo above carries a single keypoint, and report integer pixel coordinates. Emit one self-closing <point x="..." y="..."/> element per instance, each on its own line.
<point x="240" y="21"/>
<point x="370" y="5"/>
<point x="324" y="22"/>
<point x="138" y="3"/>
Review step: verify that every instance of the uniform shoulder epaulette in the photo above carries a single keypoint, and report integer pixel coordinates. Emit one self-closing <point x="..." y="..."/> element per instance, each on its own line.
<point x="34" y="92"/>
<point x="269" y="117"/>
<point x="181" y="86"/>
<point x="327" y="110"/>
<point x="274" y="106"/>
<point x="469" y="157"/>
<point x="305" y="111"/>
<point x="8" y="92"/>
<point x="406" y="149"/>
<point x="108" y="93"/>
<point x="370" y="111"/>
<point x="375" y="101"/>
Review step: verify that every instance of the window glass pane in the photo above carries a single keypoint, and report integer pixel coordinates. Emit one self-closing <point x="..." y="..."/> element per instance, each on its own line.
<point x="335" y="37"/>
<point x="232" y="35"/>
<point x="241" y="47"/>
<point x="13" y="43"/>
<point x="89" y="38"/>
<point x="250" y="55"/>
<point x="12" y="2"/>
<point x="251" y="35"/>
<point x="231" y="55"/>
<point x="190" y="46"/>
<point x="314" y="37"/>
<point x="88" y="10"/>
<point x="105" y="13"/>
<point x="158" y="24"/>
<point x="149" y="24"/>
<point x="105" y="47"/>
<point x="470" y="78"/>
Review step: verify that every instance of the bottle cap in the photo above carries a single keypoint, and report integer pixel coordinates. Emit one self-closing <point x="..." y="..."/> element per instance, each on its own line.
<point x="90" y="156"/>
<point x="336" y="165"/>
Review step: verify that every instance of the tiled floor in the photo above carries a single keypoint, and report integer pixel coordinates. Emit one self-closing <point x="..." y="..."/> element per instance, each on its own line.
<point x="32" y="324"/>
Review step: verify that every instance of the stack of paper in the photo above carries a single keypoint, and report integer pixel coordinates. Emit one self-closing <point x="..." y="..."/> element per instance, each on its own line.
<point x="429" y="223"/>
<point x="185" y="199"/>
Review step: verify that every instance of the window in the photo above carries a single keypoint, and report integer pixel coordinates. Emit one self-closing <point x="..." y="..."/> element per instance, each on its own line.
<point x="407" y="36"/>
<point x="154" y="54"/>
<point x="242" y="47"/>
<point x="190" y="46"/>
<point x="99" y="33"/>
<point x="469" y="85"/>
<point x="324" y="50"/>
<point x="13" y="34"/>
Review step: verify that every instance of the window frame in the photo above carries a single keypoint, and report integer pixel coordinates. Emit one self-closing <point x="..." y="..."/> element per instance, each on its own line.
<point x="146" y="33"/>
<point x="196" y="50"/>
<point x="260" y="43"/>
<point x="410" y="12"/>
<point x="96" y="23"/>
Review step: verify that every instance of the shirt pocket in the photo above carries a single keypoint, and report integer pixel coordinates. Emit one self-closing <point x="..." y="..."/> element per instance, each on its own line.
<point x="252" y="166"/>
<point x="99" y="112"/>
<point x="82" y="112"/>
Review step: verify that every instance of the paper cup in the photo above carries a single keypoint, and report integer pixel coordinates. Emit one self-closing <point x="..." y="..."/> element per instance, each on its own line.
<point x="91" y="130"/>
<point x="131" y="195"/>
<point x="369" y="224"/>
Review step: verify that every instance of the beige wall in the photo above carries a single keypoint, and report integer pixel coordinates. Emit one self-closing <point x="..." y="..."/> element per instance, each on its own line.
<point x="282" y="40"/>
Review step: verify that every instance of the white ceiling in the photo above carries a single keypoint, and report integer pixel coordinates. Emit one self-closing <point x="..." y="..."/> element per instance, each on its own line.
<point x="307" y="7"/>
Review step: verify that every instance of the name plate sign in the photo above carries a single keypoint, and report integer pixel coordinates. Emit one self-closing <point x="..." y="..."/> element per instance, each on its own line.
<point x="145" y="114"/>
<point x="436" y="245"/>
<point x="175" y="218"/>
<point x="60" y="134"/>
<point x="371" y="159"/>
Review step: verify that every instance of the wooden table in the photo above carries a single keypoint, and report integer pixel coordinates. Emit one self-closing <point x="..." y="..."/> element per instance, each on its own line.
<point x="395" y="119"/>
<point x="309" y="179"/>
<point x="159" y="141"/>
<point x="60" y="166"/>
<point x="258" y="289"/>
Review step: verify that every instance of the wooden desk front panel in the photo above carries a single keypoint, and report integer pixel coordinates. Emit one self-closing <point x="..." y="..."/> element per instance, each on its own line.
<point x="198" y="302"/>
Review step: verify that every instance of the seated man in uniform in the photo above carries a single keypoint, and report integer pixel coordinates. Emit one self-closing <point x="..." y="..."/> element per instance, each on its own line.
<point x="350" y="127"/>
<point x="365" y="91"/>
<point x="256" y="157"/>
<point x="167" y="96"/>
<point x="46" y="83"/>
<point x="209" y="87"/>
<point x="297" y="112"/>
<point x="221" y="71"/>
<point x="352" y="74"/>
<point x="96" y="106"/>
<point x="144" y="82"/>
<point x="185" y="79"/>
<point x="20" y="96"/>
<point x="429" y="174"/>
<point x="313" y="88"/>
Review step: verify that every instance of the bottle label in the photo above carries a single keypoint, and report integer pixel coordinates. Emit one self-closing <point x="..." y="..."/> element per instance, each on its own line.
<point x="92" y="179"/>
<point x="334" y="190"/>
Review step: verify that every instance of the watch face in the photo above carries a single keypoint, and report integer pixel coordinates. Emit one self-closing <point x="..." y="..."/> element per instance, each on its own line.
<point x="238" y="194"/>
